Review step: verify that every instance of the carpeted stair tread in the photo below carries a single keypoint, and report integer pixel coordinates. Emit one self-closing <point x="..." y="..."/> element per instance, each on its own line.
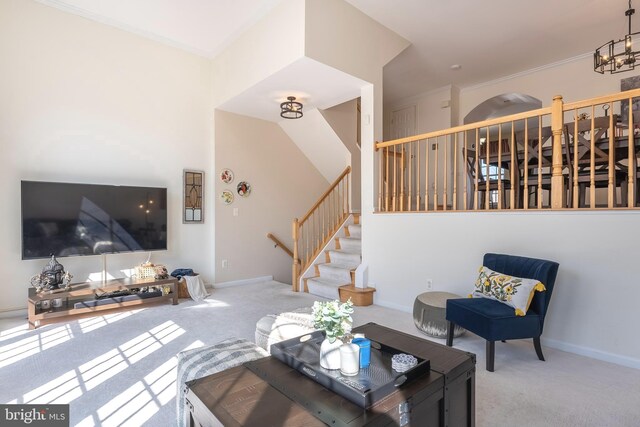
<point x="335" y="271"/>
<point x="345" y="257"/>
<point x="326" y="288"/>
<point x="355" y="230"/>
<point x="350" y="244"/>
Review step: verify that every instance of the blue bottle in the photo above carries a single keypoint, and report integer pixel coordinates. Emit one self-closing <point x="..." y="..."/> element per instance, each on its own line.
<point x="365" y="349"/>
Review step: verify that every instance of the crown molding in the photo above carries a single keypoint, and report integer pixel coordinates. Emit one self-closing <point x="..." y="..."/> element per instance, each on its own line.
<point x="57" y="4"/>
<point x="527" y="72"/>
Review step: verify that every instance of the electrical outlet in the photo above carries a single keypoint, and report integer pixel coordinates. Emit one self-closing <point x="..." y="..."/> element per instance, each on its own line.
<point x="429" y="284"/>
<point x="225" y="263"/>
<point x="235" y="211"/>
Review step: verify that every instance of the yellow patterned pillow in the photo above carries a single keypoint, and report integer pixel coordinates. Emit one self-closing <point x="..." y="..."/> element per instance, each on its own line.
<point x="513" y="291"/>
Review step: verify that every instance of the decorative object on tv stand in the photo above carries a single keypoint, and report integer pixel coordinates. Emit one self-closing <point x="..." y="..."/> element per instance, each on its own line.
<point x="334" y="318"/>
<point x="244" y="188"/>
<point x="617" y="56"/>
<point x="52" y="276"/>
<point x="226" y="196"/>
<point x="226" y="176"/>
<point x="148" y="269"/>
<point x="291" y="109"/>
<point x="193" y="208"/>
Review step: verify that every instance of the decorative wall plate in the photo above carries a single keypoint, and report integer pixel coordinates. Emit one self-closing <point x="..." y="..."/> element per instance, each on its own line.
<point x="227" y="197"/>
<point x="226" y="176"/>
<point x="244" y="188"/>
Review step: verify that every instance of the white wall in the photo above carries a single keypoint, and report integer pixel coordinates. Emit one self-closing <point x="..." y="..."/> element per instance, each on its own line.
<point x="430" y="114"/>
<point x="84" y="102"/>
<point x="274" y="42"/>
<point x="592" y="309"/>
<point x="593" y="301"/>
<point x="343" y="119"/>
<point x="285" y="185"/>
<point x="574" y="79"/>
<point x="319" y="143"/>
<point x="340" y="35"/>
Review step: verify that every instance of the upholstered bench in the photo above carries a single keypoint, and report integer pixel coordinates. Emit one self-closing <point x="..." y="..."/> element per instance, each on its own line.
<point x="203" y="361"/>
<point x="274" y="328"/>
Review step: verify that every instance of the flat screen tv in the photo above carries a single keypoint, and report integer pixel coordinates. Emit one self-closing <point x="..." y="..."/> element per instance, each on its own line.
<point x="85" y="219"/>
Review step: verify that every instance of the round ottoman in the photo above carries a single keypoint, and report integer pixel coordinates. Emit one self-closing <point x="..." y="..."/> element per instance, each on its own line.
<point x="429" y="314"/>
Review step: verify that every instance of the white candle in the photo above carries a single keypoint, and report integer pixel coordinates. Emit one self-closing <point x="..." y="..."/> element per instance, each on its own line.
<point x="349" y="359"/>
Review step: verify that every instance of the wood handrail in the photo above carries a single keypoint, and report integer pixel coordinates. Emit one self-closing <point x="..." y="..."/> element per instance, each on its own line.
<point x="602" y="99"/>
<point x="325" y="194"/>
<point x="313" y="231"/>
<point x="280" y="244"/>
<point x="471" y="126"/>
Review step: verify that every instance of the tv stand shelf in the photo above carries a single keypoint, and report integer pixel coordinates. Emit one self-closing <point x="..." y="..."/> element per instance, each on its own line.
<point x="88" y="291"/>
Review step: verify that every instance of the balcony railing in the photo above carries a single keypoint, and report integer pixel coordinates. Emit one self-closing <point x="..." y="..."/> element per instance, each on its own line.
<point x="580" y="155"/>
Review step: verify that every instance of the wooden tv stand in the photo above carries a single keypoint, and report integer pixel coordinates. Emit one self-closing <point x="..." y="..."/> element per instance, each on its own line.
<point x="88" y="291"/>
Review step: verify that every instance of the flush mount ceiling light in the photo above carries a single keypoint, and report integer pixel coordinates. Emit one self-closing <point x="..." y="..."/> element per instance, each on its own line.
<point x="617" y="56"/>
<point x="291" y="109"/>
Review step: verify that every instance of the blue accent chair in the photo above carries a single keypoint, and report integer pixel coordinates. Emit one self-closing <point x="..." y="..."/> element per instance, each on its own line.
<point x="495" y="321"/>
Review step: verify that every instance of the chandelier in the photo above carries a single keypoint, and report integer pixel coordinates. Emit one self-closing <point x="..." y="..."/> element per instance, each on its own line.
<point x="291" y="109"/>
<point x="617" y="56"/>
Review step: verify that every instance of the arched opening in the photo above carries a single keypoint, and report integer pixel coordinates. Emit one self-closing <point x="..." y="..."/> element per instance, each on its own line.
<point x="502" y="105"/>
<point x="499" y="106"/>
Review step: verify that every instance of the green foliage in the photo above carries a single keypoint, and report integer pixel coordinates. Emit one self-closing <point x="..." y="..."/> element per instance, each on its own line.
<point x="333" y="318"/>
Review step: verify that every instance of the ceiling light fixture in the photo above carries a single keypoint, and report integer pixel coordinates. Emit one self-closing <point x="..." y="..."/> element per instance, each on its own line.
<point x="617" y="56"/>
<point x="291" y="109"/>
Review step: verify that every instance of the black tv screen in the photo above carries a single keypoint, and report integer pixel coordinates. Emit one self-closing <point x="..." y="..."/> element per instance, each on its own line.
<point x="85" y="219"/>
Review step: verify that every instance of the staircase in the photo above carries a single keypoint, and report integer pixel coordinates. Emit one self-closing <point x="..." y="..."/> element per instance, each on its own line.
<point x="335" y="278"/>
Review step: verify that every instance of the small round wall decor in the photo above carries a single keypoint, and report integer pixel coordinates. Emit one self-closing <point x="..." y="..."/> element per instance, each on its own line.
<point x="227" y="197"/>
<point x="226" y="176"/>
<point x="244" y="188"/>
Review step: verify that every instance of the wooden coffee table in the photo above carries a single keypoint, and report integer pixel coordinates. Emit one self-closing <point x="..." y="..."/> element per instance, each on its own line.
<point x="241" y="397"/>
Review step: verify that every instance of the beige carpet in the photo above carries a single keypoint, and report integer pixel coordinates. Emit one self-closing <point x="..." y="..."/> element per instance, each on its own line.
<point x="120" y="369"/>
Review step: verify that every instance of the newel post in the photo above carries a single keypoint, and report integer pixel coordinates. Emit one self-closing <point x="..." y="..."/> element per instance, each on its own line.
<point x="296" y="259"/>
<point x="558" y="193"/>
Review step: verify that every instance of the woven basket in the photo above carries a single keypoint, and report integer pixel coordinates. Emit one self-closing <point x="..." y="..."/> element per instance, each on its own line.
<point x="144" y="272"/>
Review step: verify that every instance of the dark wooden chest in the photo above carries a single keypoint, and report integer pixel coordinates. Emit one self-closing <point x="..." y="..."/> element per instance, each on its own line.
<point x="242" y="397"/>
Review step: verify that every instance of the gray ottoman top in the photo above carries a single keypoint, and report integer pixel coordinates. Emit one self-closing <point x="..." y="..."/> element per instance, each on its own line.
<point x="436" y="299"/>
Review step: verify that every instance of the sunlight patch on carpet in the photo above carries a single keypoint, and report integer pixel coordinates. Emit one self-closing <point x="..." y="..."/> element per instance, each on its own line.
<point x="62" y="390"/>
<point x="102" y="368"/>
<point x="209" y="303"/>
<point x="41" y="340"/>
<point x="14" y="332"/>
<point x="148" y="342"/>
<point x="93" y="323"/>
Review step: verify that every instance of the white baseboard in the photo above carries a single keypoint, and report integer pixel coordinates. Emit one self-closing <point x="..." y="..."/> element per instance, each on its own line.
<point x="592" y="353"/>
<point x="387" y="304"/>
<point x="252" y="281"/>
<point x="559" y="345"/>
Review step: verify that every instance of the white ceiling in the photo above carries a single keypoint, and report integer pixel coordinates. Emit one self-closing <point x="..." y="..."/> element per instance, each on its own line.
<point x="314" y="84"/>
<point x="204" y="27"/>
<point x="490" y="38"/>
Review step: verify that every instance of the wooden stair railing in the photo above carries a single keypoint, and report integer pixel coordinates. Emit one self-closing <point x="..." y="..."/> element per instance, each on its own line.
<point x="313" y="231"/>
<point x="279" y="244"/>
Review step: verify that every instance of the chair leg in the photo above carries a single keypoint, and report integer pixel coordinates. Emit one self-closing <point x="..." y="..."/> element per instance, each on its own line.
<point x="491" y="353"/>
<point x="450" y="327"/>
<point x="536" y="344"/>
